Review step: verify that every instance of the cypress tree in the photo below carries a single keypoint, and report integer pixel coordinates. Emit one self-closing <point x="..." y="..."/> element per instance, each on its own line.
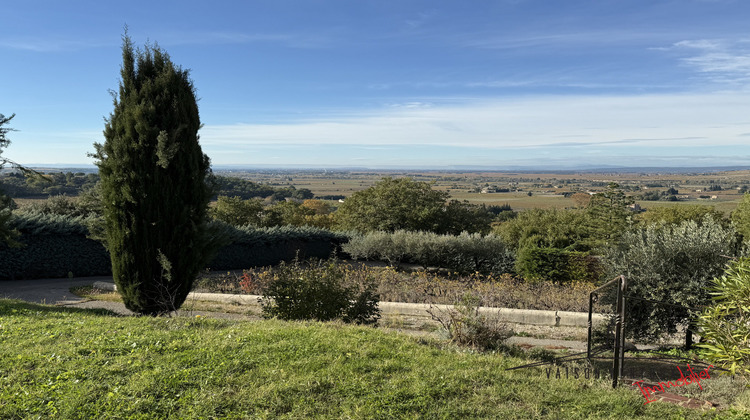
<point x="155" y="183"/>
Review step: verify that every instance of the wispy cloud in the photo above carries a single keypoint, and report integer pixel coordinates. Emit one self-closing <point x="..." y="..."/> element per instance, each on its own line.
<point x="575" y="39"/>
<point x="721" y="61"/>
<point x="411" y="105"/>
<point x="57" y="44"/>
<point x="52" y="44"/>
<point x="420" y="19"/>
<point x="294" y="40"/>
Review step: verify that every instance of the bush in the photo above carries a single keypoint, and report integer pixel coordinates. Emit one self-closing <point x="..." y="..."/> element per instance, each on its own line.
<point x="65" y="206"/>
<point x="465" y="326"/>
<point x="557" y="265"/>
<point x="320" y="292"/>
<point x="550" y="228"/>
<point x="726" y="325"/>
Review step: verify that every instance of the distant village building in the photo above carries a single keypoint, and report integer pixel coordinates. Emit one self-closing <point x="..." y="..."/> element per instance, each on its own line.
<point x="635" y="207"/>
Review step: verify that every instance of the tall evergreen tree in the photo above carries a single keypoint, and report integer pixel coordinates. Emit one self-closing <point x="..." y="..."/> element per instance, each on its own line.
<point x="155" y="183"/>
<point x="609" y="216"/>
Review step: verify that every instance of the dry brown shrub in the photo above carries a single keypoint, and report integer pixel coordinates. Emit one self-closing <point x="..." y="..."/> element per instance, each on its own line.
<point x="421" y="286"/>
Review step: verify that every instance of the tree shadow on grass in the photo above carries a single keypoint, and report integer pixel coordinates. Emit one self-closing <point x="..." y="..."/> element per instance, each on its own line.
<point x="20" y="307"/>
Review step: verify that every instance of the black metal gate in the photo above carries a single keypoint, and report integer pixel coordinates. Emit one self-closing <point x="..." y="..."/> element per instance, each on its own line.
<point x="599" y="357"/>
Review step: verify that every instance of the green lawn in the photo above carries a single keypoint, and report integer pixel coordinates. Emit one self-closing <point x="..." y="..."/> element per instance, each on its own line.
<point x="67" y="363"/>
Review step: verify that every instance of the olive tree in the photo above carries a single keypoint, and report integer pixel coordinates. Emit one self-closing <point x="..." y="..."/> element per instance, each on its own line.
<point x="671" y="264"/>
<point x="154" y="183"/>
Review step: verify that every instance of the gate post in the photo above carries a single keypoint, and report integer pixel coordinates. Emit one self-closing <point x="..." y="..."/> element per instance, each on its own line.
<point x="591" y="325"/>
<point x="619" y="358"/>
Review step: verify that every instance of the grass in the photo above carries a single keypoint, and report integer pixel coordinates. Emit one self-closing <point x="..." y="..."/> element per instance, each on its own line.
<point x="190" y="305"/>
<point x="71" y="363"/>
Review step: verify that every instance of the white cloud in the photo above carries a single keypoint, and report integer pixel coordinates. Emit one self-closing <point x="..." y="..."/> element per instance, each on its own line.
<point x="649" y="120"/>
<point x="412" y="105"/>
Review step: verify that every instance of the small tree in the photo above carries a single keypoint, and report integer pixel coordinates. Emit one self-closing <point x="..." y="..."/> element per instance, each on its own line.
<point x="608" y="215"/>
<point x="238" y="212"/>
<point x="394" y="204"/>
<point x="154" y="183"/>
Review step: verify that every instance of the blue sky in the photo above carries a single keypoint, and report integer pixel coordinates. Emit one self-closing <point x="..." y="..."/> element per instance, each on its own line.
<point x="388" y="83"/>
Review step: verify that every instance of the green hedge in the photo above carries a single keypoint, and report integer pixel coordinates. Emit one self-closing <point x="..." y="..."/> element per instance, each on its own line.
<point x="55" y="245"/>
<point x="465" y="253"/>
<point x="558" y="265"/>
<point x="252" y="247"/>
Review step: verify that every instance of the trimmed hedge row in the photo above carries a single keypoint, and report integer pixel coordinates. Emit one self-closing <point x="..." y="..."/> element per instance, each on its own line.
<point x="56" y="245"/>
<point x="464" y="253"/>
<point x="252" y="247"/>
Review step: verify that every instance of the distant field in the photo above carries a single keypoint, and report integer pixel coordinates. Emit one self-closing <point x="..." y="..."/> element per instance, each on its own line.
<point x="724" y="206"/>
<point x="546" y="189"/>
<point x="25" y="202"/>
<point x="516" y="200"/>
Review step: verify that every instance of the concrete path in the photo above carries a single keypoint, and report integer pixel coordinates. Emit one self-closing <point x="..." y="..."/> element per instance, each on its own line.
<point x="49" y="291"/>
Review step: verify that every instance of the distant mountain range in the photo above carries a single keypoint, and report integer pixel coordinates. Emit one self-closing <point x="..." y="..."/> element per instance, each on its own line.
<point x="527" y="169"/>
